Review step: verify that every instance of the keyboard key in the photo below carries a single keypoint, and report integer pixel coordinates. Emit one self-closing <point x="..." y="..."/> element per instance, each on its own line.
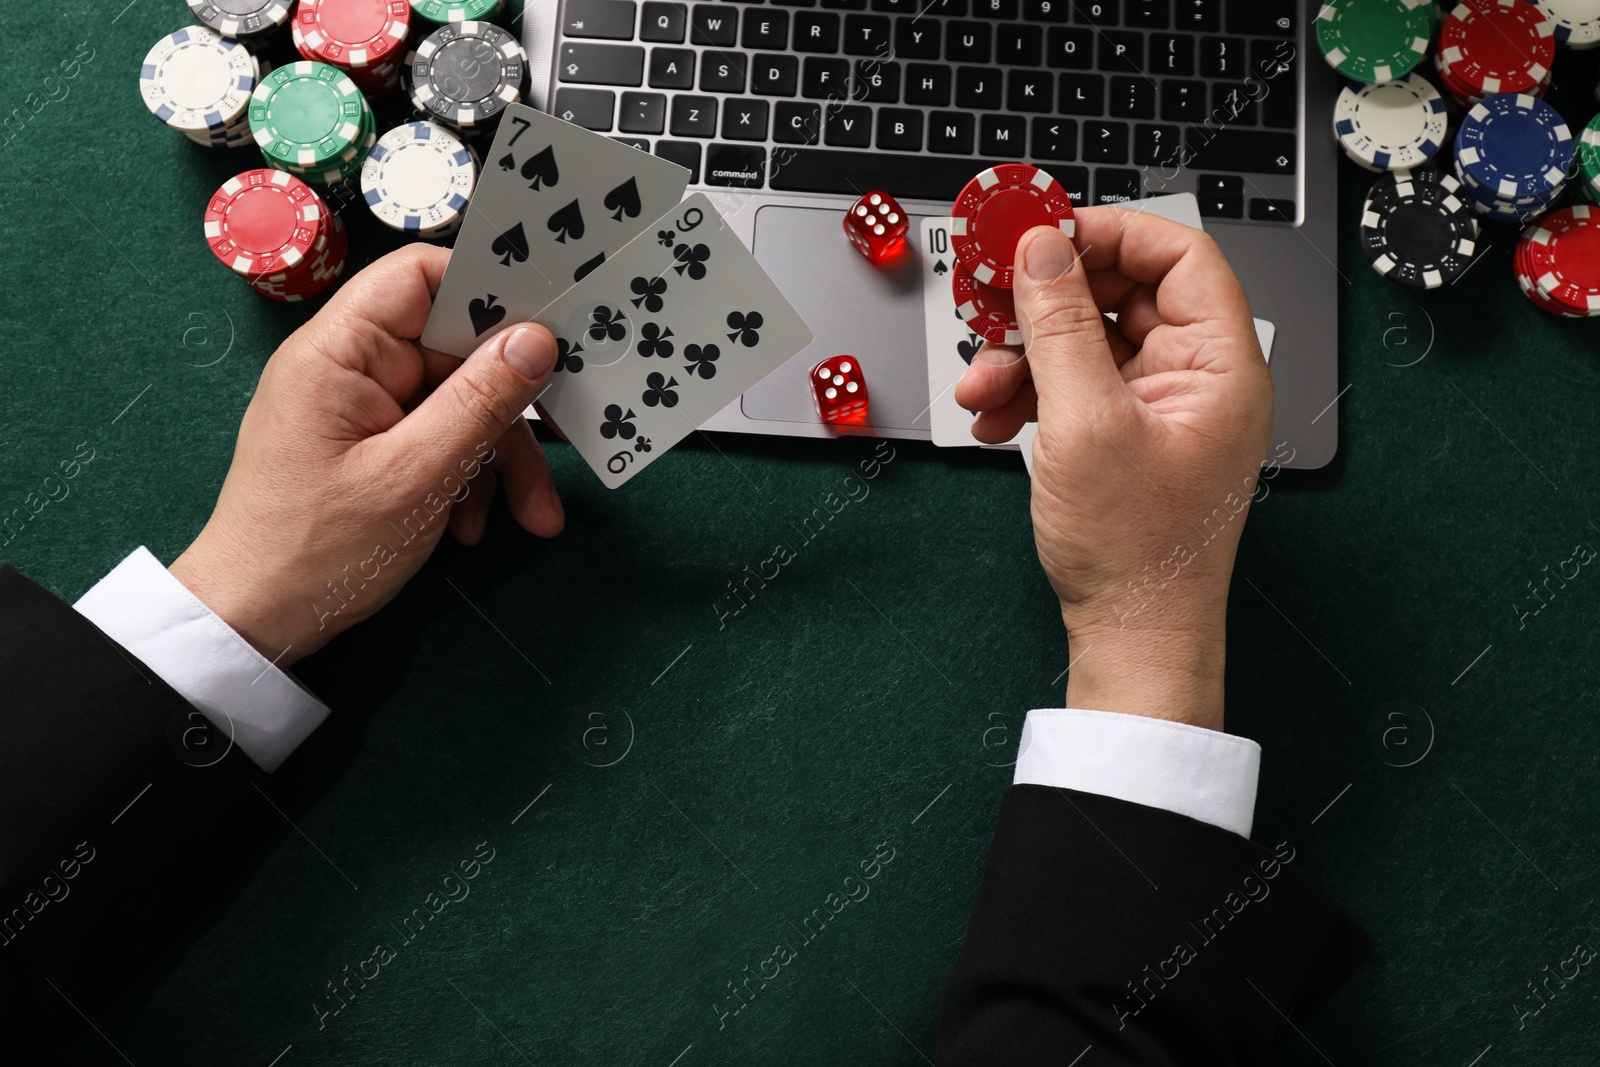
<point x="1222" y="57"/>
<point x="1045" y="10"/>
<point x="849" y="126"/>
<point x="823" y="78"/>
<point x="738" y="166"/>
<point x="713" y="24"/>
<point x="765" y="29"/>
<point x="1221" y="196"/>
<point x="1219" y="207"/>
<point x="589" y="108"/>
<point x="664" y="23"/>
<point x="1133" y="98"/>
<point x="1273" y="62"/>
<point x="602" y="64"/>
<point x="1183" y="101"/>
<point x="916" y="38"/>
<point x="951" y="132"/>
<point x="1157" y="146"/>
<point x="1105" y="142"/>
<point x="928" y="84"/>
<point x="1171" y="54"/>
<point x="694" y="116"/>
<point x="867" y="35"/>
<point x="795" y="3"/>
<point x="1030" y="90"/>
<point x="1055" y="139"/>
<point x="968" y="42"/>
<point x="685" y="154"/>
<point x="1232" y="104"/>
<point x="744" y="120"/>
<point x="642" y="113"/>
<point x="876" y="83"/>
<point x="1070" y="49"/>
<point x="671" y="68"/>
<point x="1019" y="46"/>
<point x="1117" y="186"/>
<point x="796" y="123"/>
<point x="899" y="129"/>
<point x="1154" y="14"/>
<point x="896" y="7"/>
<point x="1102" y="14"/>
<point x="816" y="31"/>
<point x="846" y="5"/>
<point x="723" y="72"/>
<point x="634" y="142"/>
<point x="1075" y="181"/>
<point x="978" y="89"/>
<point x="953" y="9"/>
<point x="1273" y="18"/>
<point x="775" y="75"/>
<point x="818" y="170"/>
<point x="610" y="19"/>
<point x="1201" y="15"/>
<point x="1250" y="151"/>
<point x="1002" y="135"/>
<point x="995" y="9"/>
<point x="1273" y="210"/>
<point x="1121" y="51"/>
<point x="1082" y="94"/>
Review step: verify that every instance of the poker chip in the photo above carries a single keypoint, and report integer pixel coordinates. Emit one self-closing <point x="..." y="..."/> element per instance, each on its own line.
<point x="465" y="73"/>
<point x="363" y="38"/>
<point x="310" y="119"/>
<point x="1488" y="47"/>
<point x="271" y="229"/>
<point x="419" y="179"/>
<point x="241" y="18"/>
<point x="1577" y="22"/>
<point x="1374" y="40"/>
<point x="1513" y="152"/>
<point x="995" y="209"/>
<point x="1394" y="125"/>
<point x="197" y="81"/>
<point x="1417" y="229"/>
<point x="989" y="311"/>
<point x="1561" y="256"/>
<point x="443" y="11"/>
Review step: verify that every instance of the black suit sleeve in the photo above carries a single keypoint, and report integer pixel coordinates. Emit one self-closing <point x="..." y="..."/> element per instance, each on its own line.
<point x="1153" y="937"/>
<point x="117" y="806"/>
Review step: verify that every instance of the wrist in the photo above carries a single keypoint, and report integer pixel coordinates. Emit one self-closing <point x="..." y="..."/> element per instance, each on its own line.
<point x="1173" y="674"/>
<point x="213" y="576"/>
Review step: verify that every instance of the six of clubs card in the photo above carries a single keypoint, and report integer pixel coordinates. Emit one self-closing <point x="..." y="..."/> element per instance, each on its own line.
<point x="554" y="202"/>
<point x="661" y="336"/>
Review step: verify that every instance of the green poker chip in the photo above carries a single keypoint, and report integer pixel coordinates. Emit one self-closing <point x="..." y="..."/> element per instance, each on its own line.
<point x="1375" y="40"/>
<point x="308" y="115"/>
<point x="443" y="11"/>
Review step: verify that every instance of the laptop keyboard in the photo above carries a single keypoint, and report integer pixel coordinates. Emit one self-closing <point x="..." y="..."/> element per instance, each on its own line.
<point x="1118" y="99"/>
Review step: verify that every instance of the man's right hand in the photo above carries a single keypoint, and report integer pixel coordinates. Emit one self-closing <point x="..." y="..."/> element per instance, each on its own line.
<point x="1152" y="430"/>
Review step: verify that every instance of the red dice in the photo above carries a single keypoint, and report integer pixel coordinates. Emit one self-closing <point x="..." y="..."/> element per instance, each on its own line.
<point x="839" y="390"/>
<point x="876" y="225"/>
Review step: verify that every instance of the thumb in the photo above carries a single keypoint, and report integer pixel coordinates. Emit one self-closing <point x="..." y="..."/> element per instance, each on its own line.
<point x="480" y="400"/>
<point x="1062" y="331"/>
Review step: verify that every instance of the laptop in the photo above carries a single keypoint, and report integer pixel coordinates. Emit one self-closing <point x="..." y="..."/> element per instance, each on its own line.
<point x="787" y="110"/>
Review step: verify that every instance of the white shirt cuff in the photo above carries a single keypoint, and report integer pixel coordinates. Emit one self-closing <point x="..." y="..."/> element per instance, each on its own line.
<point x="147" y="611"/>
<point x="1204" y="774"/>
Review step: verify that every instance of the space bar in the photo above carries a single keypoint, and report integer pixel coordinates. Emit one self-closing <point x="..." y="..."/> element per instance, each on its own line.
<point x="809" y="170"/>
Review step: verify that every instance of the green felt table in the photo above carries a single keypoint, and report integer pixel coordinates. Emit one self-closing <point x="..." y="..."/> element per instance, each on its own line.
<point x="667" y="796"/>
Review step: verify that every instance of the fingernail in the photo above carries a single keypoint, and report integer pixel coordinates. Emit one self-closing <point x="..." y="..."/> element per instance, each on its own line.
<point x="1049" y="257"/>
<point x="528" y="352"/>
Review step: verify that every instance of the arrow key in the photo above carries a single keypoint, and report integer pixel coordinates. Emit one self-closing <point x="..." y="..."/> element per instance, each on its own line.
<point x="1055" y="139"/>
<point x="589" y="108"/>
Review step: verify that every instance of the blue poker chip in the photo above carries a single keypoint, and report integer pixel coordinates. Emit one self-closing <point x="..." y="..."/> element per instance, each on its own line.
<point x="1515" y="147"/>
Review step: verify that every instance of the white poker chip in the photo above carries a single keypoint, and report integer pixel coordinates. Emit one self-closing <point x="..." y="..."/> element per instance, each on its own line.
<point x="197" y="80"/>
<point x="1394" y="125"/>
<point x="418" y="179"/>
<point x="1577" y="22"/>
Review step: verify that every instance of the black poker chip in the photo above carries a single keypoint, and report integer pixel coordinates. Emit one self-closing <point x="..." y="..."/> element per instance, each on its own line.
<point x="1418" y="229"/>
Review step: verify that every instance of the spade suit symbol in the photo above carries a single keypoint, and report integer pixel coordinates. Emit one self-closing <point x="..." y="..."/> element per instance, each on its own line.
<point x="540" y="171"/>
<point x="513" y="244"/>
<point x="624" y="200"/>
<point x="567" y="222"/>
<point x="485" y="313"/>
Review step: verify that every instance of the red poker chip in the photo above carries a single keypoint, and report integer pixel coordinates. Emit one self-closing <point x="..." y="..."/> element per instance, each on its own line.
<point x="993" y="212"/>
<point x="987" y="309"/>
<point x="263" y="221"/>
<point x="1560" y="255"/>
<point x="352" y="34"/>
<point x="1496" y="46"/>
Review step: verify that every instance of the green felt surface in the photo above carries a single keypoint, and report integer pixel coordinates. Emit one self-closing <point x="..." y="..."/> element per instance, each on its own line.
<point x="869" y="694"/>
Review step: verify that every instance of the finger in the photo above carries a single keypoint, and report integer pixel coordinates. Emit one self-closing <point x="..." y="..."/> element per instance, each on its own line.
<point x="993" y="378"/>
<point x="1003" y="423"/>
<point x="476" y="404"/>
<point x="1122" y="349"/>
<point x="1137" y="315"/>
<point x="530" y="487"/>
<point x="1068" y="354"/>
<point x="469" y="517"/>
<point x="371" y="324"/>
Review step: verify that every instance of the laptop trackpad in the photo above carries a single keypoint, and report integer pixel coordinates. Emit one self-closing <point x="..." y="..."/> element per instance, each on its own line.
<point x="853" y="308"/>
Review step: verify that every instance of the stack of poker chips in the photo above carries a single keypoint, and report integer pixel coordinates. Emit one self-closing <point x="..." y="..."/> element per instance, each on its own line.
<point x="1374" y="40"/>
<point x="1395" y="125"/>
<point x="310" y="120"/>
<point x="1512" y="155"/>
<point x="363" y="38"/>
<point x="271" y="229"/>
<point x="1557" y="262"/>
<point x="465" y="73"/>
<point x="1577" y="22"/>
<point x="443" y="11"/>
<point x="247" y="20"/>
<point x="199" y="82"/>
<point x="419" y="179"/>
<point x="1489" y="47"/>
<point x="1418" y="229"/>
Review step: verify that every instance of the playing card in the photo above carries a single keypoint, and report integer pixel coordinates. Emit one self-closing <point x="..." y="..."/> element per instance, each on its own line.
<point x="661" y="336"/>
<point x="554" y="200"/>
